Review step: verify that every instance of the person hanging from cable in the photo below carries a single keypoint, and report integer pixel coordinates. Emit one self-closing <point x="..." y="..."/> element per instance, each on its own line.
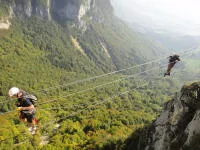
<point x="26" y="109"/>
<point x="172" y="61"/>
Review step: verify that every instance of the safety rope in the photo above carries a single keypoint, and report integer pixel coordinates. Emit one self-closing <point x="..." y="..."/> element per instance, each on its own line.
<point x="130" y="76"/>
<point x="103" y="75"/>
<point x="101" y="85"/>
<point x="88" y="107"/>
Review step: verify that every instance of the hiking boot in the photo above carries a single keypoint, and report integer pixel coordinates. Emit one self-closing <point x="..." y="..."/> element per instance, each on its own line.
<point x="34" y="128"/>
<point x="167" y="74"/>
<point x="33" y="132"/>
<point x="30" y="129"/>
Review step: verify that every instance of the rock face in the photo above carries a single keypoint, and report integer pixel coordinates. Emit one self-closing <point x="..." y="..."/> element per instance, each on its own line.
<point x="59" y="10"/>
<point x="5" y="19"/>
<point x="4" y="24"/>
<point x="178" y="126"/>
<point x="71" y="9"/>
<point x="29" y="8"/>
<point x="63" y="10"/>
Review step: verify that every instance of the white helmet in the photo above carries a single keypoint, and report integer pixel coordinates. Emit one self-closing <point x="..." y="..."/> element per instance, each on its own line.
<point x="13" y="92"/>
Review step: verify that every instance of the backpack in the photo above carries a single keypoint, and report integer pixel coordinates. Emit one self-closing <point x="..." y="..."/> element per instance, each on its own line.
<point x="173" y="58"/>
<point x="31" y="97"/>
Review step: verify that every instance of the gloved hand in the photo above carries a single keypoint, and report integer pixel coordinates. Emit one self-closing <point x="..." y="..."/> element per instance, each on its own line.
<point x="19" y="108"/>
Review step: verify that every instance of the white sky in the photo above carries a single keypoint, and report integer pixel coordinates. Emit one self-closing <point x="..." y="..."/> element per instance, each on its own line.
<point x="188" y="9"/>
<point x="166" y="13"/>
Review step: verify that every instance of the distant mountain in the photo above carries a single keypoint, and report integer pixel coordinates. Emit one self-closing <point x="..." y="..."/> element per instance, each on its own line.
<point x="172" y="41"/>
<point x="157" y="25"/>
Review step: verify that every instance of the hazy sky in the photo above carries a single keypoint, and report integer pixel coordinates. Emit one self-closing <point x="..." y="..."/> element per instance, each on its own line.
<point x="177" y="15"/>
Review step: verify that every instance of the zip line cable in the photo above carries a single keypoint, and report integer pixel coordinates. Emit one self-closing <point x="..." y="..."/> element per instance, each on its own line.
<point x="95" y="77"/>
<point x="81" y="104"/>
<point x="85" y="90"/>
<point x="88" y="107"/>
<point x="90" y="88"/>
<point x="77" y="105"/>
<point x="80" y="111"/>
<point x="130" y="76"/>
<point x="92" y="106"/>
<point x="94" y="87"/>
<point x="103" y="101"/>
<point x="108" y="99"/>
<point x="91" y="78"/>
<point x="103" y="75"/>
<point x="84" y="104"/>
<point x="88" y="79"/>
<point x="73" y="114"/>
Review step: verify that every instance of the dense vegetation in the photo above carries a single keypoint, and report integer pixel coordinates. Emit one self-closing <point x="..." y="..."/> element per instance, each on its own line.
<point x="38" y="54"/>
<point x="37" y="57"/>
<point x="4" y="10"/>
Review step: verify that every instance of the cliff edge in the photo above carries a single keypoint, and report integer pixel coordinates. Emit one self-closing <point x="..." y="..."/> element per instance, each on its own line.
<point x="178" y="126"/>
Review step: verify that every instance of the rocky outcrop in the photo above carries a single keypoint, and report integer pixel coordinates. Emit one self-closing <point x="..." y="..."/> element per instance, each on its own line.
<point x="5" y="20"/>
<point x="178" y="126"/>
<point x="72" y="9"/>
<point x="22" y="8"/>
<point x="63" y="10"/>
<point x="4" y="24"/>
<point x="43" y="10"/>
<point x="28" y="8"/>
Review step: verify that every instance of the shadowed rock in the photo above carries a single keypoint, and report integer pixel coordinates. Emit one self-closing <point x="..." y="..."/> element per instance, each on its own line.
<point x="178" y="126"/>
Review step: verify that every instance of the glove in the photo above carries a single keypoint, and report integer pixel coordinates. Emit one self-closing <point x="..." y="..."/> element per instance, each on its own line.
<point x="19" y="108"/>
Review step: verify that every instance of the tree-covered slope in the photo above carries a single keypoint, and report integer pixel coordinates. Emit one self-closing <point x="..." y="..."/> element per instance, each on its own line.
<point x="42" y="56"/>
<point x="106" y="44"/>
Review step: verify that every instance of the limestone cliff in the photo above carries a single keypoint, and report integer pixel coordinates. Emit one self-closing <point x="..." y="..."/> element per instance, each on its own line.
<point x="64" y="10"/>
<point x="71" y="9"/>
<point x="178" y="126"/>
<point x="28" y="8"/>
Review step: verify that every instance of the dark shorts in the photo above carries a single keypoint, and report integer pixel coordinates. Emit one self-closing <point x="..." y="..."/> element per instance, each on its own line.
<point x="29" y="115"/>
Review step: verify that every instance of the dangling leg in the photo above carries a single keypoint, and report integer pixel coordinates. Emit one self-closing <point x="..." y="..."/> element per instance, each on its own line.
<point x="31" y="122"/>
<point x="22" y="117"/>
<point x="170" y="65"/>
<point x="168" y="70"/>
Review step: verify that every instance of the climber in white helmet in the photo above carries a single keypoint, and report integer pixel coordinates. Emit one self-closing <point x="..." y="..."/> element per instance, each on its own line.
<point x="25" y="107"/>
